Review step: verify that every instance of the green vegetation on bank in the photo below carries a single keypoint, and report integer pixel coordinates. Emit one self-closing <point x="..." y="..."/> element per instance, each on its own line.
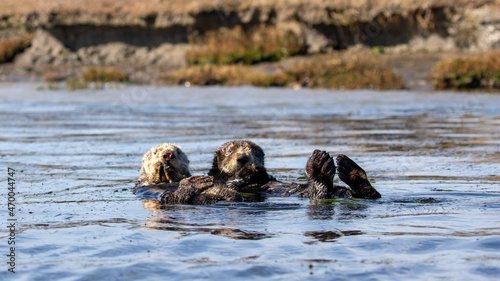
<point x="10" y="47"/>
<point x="223" y="57"/>
<point x="228" y="75"/>
<point x="344" y="70"/>
<point x="262" y="43"/>
<point x="104" y="74"/>
<point x="341" y="70"/>
<point x="468" y="72"/>
<point x="97" y="76"/>
<point x="230" y="46"/>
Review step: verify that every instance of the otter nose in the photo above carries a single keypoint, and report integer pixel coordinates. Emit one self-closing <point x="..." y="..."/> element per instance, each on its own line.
<point x="168" y="156"/>
<point x="243" y="159"/>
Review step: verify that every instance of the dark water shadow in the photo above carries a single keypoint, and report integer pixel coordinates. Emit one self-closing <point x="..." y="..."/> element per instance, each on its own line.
<point x="330" y="236"/>
<point x="339" y="209"/>
<point x="186" y="229"/>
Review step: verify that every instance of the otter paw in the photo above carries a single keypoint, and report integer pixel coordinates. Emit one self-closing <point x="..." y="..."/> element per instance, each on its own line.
<point x="188" y="191"/>
<point x="350" y="172"/>
<point x="216" y="194"/>
<point x="254" y="174"/>
<point x="250" y="179"/>
<point x="320" y="167"/>
<point x="355" y="177"/>
<point x="166" y="197"/>
<point x="163" y="174"/>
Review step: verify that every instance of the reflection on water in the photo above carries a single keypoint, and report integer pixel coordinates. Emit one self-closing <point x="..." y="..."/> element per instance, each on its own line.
<point x="330" y="236"/>
<point x="232" y="233"/>
<point x="433" y="156"/>
<point x="337" y="209"/>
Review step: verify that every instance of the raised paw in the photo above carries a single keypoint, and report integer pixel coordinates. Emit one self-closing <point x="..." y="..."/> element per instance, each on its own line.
<point x="355" y="177"/>
<point x="253" y="174"/>
<point x="350" y="172"/>
<point x="250" y="179"/>
<point x="320" y="167"/>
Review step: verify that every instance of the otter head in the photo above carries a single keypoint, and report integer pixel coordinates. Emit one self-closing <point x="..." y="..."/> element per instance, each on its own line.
<point x="164" y="163"/>
<point x="232" y="156"/>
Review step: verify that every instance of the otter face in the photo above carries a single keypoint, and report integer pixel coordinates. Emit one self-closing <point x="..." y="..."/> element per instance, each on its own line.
<point x="232" y="156"/>
<point x="164" y="163"/>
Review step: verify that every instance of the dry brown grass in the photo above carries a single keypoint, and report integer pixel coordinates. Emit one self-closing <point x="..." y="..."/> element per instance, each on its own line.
<point x="249" y="47"/>
<point x="227" y="75"/>
<point x="74" y="84"/>
<point x="96" y="78"/>
<point x="52" y="76"/>
<point x="344" y="70"/>
<point x="134" y="7"/>
<point x="104" y="74"/>
<point x="468" y="72"/>
<point x="362" y="70"/>
<point x="10" y="47"/>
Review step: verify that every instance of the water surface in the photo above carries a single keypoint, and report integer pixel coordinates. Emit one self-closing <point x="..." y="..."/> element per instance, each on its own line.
<point x="433" y="156"/>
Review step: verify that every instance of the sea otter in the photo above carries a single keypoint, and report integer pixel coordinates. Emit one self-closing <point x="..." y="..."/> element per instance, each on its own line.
<point x="232" y="156"/>
<point x="165" y="171"/>
<point x="238" y="166"/>
<point x="164" y="163"/>
<point x="229" y="159"/>
<point x="319" y="172"/>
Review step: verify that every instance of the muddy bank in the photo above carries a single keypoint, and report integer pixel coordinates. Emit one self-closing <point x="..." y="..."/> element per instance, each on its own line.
<point x="146" y="40"/>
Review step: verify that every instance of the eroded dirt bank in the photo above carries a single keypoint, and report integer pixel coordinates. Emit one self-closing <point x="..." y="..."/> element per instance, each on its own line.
<point x="152" y="37"/>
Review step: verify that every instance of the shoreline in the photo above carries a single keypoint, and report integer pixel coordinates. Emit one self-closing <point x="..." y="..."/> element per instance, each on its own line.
<point x="154" y="39"/>
<point x="415" y="70"/>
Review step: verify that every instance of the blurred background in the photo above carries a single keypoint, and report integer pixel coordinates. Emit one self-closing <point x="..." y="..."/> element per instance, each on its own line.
<point x="385" y="44"/>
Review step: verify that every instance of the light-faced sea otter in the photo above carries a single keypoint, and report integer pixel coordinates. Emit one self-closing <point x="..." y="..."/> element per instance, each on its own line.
<point x="165" y="172"/>
<point x="164" y="163"/>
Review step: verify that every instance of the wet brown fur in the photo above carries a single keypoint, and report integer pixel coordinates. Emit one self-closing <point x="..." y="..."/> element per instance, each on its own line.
<point x="200" y="190"/>
<point x="229" y="159"/>
<point x="232" y="156"/>
<point x="238" y="166"/>
<point x="319" y="170"/>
